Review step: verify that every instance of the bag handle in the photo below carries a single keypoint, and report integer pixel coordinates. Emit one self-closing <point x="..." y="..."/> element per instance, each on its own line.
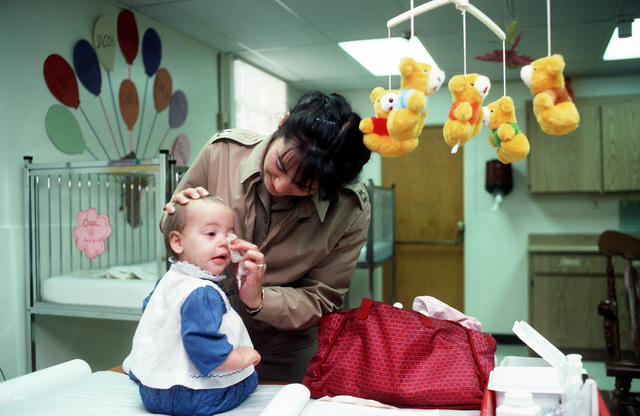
<point x="365" y="307"/>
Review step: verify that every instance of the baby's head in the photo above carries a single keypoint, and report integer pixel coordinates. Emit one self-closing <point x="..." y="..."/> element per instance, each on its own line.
<point x="196" y="233"/>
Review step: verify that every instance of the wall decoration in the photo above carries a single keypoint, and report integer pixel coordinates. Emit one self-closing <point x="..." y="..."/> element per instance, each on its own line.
<point x="85" y="61"/>
<point x="62" y="80"/>
<point x="129" y="107"/>
<point x="91" y="231"/>
<point x="181" y="150"/>
<point x="177" y="114"/>
<point x="151" y="55"/>
<point x="128" y="36"/>
<point x="63" y="130"/>
<point x="63" y="84"/>
<point x="162" y="88"/>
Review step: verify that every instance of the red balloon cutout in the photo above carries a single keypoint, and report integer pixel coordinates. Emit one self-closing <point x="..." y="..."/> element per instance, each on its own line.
<point x="128" y="35"/>
<point x="61" y="80"/>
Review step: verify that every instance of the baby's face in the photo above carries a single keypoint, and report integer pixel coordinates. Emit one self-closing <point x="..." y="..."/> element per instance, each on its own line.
<point x="204" y="236"/>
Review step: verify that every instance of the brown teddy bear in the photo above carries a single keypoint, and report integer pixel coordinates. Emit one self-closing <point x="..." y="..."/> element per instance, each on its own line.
<point x="465" y="115"/>
<point x="418" y="81"/>
<point x="500" y="117"/>
<point x="555" y="111"/>
<point x="376" y="136"/>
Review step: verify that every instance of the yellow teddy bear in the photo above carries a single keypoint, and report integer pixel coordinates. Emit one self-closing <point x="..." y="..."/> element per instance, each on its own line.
<point x="465" y="115"/>
<point x="500" y="117"/>
<point x="418" y="81"/>
<point x="376" y="136"/>
<point x="555" y="111"/>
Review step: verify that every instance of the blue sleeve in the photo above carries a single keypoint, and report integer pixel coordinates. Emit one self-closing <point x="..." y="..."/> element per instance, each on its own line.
<point x="146" y="300"/>
<point x="201" y="316"/>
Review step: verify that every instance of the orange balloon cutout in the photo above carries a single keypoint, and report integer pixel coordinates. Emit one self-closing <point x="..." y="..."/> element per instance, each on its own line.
<point x="162" y="92"/>
<point x="129" y="106"/>
<point x="162" y="89"/>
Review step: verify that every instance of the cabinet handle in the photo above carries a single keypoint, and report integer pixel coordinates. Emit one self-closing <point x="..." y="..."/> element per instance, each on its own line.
<point x="570" y="262"/>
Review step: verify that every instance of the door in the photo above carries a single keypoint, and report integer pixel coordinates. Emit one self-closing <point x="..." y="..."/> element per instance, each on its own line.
<point x="429" y="196"/>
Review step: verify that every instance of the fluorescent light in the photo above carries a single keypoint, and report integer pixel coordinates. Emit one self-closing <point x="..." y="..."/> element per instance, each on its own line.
<point x="624" y="48"/>
<point x="381" y="56"/>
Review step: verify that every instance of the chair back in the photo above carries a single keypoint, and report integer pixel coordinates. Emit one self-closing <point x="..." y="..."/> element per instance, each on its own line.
<point x="613" y="244"/>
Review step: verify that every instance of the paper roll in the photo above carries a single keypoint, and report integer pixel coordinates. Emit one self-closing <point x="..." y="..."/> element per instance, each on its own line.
<point x="288" y="401"/>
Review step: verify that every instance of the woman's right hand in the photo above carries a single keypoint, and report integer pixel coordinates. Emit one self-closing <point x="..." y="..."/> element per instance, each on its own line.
<point x="183" y="197"/>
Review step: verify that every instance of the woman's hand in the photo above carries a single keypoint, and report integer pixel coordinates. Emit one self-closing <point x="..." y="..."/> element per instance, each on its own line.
<point x="183" y="197"/>
<point x="254" y="265"/>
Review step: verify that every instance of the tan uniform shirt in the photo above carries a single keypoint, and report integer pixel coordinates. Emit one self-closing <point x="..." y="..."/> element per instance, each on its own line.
<point x="311" y="246"/>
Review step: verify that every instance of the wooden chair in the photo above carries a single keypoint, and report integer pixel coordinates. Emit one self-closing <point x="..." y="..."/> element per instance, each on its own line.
<point x="624" y="367"/>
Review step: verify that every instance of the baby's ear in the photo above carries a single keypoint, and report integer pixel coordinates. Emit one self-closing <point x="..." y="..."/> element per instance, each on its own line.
<point x="175" y="241"/>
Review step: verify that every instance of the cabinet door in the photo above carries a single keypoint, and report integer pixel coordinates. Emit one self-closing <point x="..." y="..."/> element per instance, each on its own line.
<point x="569" y="163"/>
<point x="621" y="145"/>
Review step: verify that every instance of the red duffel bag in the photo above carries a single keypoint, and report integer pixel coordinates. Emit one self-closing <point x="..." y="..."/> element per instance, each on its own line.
<point x="400" y="357"/>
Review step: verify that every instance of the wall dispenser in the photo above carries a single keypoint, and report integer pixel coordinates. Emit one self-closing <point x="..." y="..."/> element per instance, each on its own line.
<point x="498" y="181"/>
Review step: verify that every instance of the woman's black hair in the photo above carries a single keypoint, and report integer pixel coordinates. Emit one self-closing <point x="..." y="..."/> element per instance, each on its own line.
<point x="326" y="141"/>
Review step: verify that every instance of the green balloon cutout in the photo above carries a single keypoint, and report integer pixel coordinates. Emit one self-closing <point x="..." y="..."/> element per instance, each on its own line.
<point x="63" y="129"/>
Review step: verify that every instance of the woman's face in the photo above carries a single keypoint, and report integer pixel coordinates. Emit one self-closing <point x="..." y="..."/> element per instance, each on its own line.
<point x="278" y="170"/>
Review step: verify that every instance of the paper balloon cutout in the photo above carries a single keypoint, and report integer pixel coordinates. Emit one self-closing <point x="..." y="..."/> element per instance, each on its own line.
<point x="128" y="35"/>
<point x="178" y="109"/>
<point x="129" y="106"/>
<point x="151" y="51"/>
<point x="162" y="90"/>
<point x="63" y="129"/>
<point x="181" y="150"/>
<point x="104" y="41"/>
<point x="85" y="61"/>
<point x="61" y="80"/>
<point x="91" y="231"/>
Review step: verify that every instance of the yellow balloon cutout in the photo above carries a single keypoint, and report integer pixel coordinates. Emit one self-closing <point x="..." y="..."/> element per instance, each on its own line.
<point x="104" y="41"/>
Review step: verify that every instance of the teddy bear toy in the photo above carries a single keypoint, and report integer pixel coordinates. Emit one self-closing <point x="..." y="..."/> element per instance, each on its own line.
<point x="375" y="134"/>
<point x="418" y="82"/>
<point x="465" y="115"/>
<point x="555" y="111"/>
<point x="506" y="136"/>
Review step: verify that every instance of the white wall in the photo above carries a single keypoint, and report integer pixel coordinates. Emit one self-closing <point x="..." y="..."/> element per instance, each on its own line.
<point x="31" y="31"/>
<point x="495" y="251"/>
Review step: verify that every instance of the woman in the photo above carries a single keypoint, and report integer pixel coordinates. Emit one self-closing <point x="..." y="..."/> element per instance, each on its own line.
<point x="296" y="196"/>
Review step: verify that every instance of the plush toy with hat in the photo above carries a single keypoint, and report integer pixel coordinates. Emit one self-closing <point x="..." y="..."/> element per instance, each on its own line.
<point x="511" y="143"/>
<point x="375" y="134"/>
<point x="418" y="82"/>
<point x="552" y="105"/>
<point x="465" y="115"/>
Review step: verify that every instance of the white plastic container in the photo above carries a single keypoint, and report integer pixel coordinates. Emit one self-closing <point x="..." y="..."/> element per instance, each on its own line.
<point x="538" y="376"/>
<point x="517" y="403"/>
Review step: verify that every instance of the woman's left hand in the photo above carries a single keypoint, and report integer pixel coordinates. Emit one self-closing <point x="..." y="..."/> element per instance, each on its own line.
<point x="255" y="267"/>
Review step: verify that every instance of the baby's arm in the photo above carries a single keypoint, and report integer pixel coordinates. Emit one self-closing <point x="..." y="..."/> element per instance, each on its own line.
<point x="239" y="358"/>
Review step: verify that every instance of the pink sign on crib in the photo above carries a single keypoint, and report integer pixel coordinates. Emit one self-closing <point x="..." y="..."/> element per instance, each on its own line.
<point x="91" y="231"/>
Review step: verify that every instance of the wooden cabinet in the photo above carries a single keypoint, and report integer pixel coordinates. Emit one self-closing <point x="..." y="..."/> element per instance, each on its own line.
<point x="567" y="281"/>
<point x="601" y="155"/>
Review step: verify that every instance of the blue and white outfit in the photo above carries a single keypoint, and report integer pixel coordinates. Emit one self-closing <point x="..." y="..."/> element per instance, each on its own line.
<point x="187" y="329"/>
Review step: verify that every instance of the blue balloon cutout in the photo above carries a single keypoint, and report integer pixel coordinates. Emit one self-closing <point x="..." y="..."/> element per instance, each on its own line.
<point x="178" y="109"/>
<point x="151" y="51"/>
<point x="85" y="62"/>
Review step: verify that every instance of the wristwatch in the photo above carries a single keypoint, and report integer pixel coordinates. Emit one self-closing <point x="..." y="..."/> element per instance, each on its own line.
<point x="254" y="312"/>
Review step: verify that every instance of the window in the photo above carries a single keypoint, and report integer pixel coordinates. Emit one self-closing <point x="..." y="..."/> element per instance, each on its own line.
<point x="259" y="98"/>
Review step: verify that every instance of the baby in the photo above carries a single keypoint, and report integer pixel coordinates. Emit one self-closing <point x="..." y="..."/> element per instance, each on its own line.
<point x="191" y="352"/>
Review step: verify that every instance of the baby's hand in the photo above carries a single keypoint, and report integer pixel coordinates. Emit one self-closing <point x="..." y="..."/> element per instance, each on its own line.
<point x="240" y="358"/>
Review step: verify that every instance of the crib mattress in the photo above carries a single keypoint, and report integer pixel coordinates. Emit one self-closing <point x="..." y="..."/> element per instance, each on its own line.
<point x="120" y="287"/>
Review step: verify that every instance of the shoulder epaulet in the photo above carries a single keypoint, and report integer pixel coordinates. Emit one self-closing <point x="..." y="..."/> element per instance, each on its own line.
<point x="360" y="190"/>
<point x="245" y="137"/>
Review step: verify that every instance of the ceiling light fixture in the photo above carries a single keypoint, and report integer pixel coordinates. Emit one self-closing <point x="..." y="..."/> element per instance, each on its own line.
<point x="625" y="40"/>
<point x="381" y="56"/>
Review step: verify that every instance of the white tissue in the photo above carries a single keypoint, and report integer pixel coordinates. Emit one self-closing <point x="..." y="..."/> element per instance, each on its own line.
<point x="236" y="257"/>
